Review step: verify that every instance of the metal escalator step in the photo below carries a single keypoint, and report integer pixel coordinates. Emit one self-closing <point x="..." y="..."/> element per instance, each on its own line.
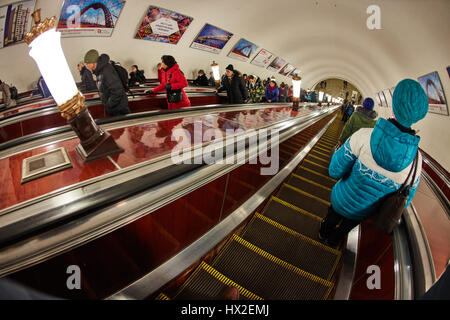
<point x="294" y="218"/>
<point x="321" y="154"/>
<point x="291" y="247"/>
<point x="268" y="276"/>
<point x="318" y="160"/>
<point x="310" y="186"/>
<point x="206" y="283"/>
<point x="303" y="201"/>
<point x="162" y="296"/>
<point x="321" y="149"/>
<point x="315" y="176"/>
<point x="315" y="166"/>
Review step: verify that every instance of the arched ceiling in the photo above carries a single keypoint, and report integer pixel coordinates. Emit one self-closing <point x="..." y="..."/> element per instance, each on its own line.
<point x="326" y="38"/>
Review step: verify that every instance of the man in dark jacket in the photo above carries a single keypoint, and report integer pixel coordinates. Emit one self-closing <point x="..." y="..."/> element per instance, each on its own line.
<point x="87" y="80"/>
<point x="201" y="80"/>
<point x="112" y="92"/>
<point x="136" y="76"/>
<point x="234" y="84"/>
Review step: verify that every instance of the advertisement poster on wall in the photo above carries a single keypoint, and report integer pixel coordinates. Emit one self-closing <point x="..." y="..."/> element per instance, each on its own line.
<point x="379" y="102"/>
<point x="15" y="22"/>
<point x="243" y="50"/>
<point x="388" y="98"/>
<point x="295" y="72"/>
<point x="163" y="25"/>
<point x="436" y="97"/>
<point x="211" y="39"/>
<point x="287" y="69"/>
<point x="89" y="18"/>
<point x="276" y="64"/>
<point x="262" y="58"/>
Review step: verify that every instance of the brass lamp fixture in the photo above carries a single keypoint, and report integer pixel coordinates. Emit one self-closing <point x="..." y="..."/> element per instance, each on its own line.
<point x="296" y="89"/>
<point x="45" y="44"/>
<point x="216" y="73"/>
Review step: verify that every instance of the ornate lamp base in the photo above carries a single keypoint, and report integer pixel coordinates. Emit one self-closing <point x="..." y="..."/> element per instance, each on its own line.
<point x="94" y="142"/>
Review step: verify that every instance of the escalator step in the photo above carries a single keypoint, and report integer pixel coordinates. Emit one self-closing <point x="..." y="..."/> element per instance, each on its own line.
<point x="292" y="247"/>
<point x="292" y="217"/>
<point x="268" y="276"/>
<point x="318" y="160"/>
<point x="321" y="154"/>
<point x="303" y="200"/>
<point x="206" y="283"/>
<point x="162" y="296"/>
<point x="315" y="166"/>
<point x="315" y="176"/>
<point x="310" y="186"/>
<point x="322" y="149"/>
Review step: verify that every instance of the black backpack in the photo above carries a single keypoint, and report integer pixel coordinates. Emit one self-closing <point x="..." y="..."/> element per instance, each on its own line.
<point x="123" y="75"/>
<point x="13" y="92"/>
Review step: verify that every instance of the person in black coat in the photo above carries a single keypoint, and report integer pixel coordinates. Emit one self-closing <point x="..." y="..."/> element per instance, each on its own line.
<point x="234" y="84"/>
<point x="201" y="80"/>
<point x="110" y="87"/>
<point x="87" y="80"/>
<point x="136" y="76"/>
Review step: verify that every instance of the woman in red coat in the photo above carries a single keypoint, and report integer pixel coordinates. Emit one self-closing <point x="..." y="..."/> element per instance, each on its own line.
<point x="172" y="79"/>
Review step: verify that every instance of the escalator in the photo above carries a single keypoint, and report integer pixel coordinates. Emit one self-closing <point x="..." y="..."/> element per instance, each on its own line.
<point x="278" y="254"/>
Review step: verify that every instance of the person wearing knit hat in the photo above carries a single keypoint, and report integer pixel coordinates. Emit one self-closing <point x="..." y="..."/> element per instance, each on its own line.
<point x="363" y="117"/>
<point x="375" y="162"/>
<point x="91" y="59"/>
<point x="409" y="102"/>
<point x="234" y="85"/>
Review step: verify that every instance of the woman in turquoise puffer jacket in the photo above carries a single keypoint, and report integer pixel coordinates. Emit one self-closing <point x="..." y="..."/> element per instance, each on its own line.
<point x="374" y="162"/>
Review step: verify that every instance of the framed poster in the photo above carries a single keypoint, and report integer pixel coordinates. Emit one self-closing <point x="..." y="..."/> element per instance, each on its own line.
<point x="276" y="64"/>
<point x="243" y="50"/>
<point x="211" y="39"/>
<point x="163" y="25"/>
<point x="15" y="22"/>
<point x="262" y="58"/>
<point x="436" y="97"/>
<point x="388" y="97"/>
<point x="287" y="69"/>
<point x="89" y="18"/>
<point x="295" y="72"/>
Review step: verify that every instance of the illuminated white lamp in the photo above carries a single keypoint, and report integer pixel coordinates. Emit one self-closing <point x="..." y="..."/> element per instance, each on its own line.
<point x="216" y="73"/>
<point x="296" y="88"/>
<point x="46" y="50"/>
<point x="321" y="94"/>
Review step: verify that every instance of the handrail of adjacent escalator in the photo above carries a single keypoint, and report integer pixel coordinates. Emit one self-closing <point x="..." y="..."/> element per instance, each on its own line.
<point x="94" y="225"/>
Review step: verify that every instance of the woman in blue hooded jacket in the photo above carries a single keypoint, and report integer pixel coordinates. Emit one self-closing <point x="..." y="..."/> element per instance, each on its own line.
<point x="374" y="162"/>
<point x="272" y="92"/>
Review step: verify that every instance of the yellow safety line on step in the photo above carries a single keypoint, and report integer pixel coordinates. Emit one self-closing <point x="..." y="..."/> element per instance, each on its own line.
<point x="323" y="154"/>
<point x="291" y="206"/>
<point x="318" y="158"/>
<point x="219" y="276"/>
<point x="162" y="296"/>
<point x="296" y="234"/>
<point x="307" y="194"/>
<point x="317" y="147"/>
<point x="317" y="173"/>
<point x="282" y="263"/>
<point x="311" y="182"/>
<point x="325" y="146"/>
<point x="317" y="165"/>
<point x="326" y="142"/>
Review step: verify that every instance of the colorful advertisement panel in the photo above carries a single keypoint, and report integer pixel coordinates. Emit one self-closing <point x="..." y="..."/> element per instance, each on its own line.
<point x="276" y="64"/>
<point x="287" y="69"/>
<point x="262" y="59"/>
<point x="211" y="39"/>
<point x="243" y="50"/>
<point x="163" y="25"/>
<point x="15" y="22"/>
<point x="89" y="18"/>
<point x="436" y="97"/>
<point x="295" y="72"/>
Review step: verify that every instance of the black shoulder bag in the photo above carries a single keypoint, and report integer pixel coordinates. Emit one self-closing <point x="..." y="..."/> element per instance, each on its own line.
<point x="173" y="96"/>
<point x="391" y="207"/>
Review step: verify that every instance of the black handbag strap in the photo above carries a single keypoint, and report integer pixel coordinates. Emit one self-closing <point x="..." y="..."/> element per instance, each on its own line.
<point x="413" y="168"/>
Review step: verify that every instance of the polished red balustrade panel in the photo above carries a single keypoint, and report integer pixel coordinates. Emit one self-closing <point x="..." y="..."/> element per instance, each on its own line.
<point x="10" y="132"/>
<point x="375" y="248"/>
<point x="13" y="192"/>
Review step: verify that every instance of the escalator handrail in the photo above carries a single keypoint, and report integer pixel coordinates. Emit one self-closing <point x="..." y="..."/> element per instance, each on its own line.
<point x="107" y="219"/>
